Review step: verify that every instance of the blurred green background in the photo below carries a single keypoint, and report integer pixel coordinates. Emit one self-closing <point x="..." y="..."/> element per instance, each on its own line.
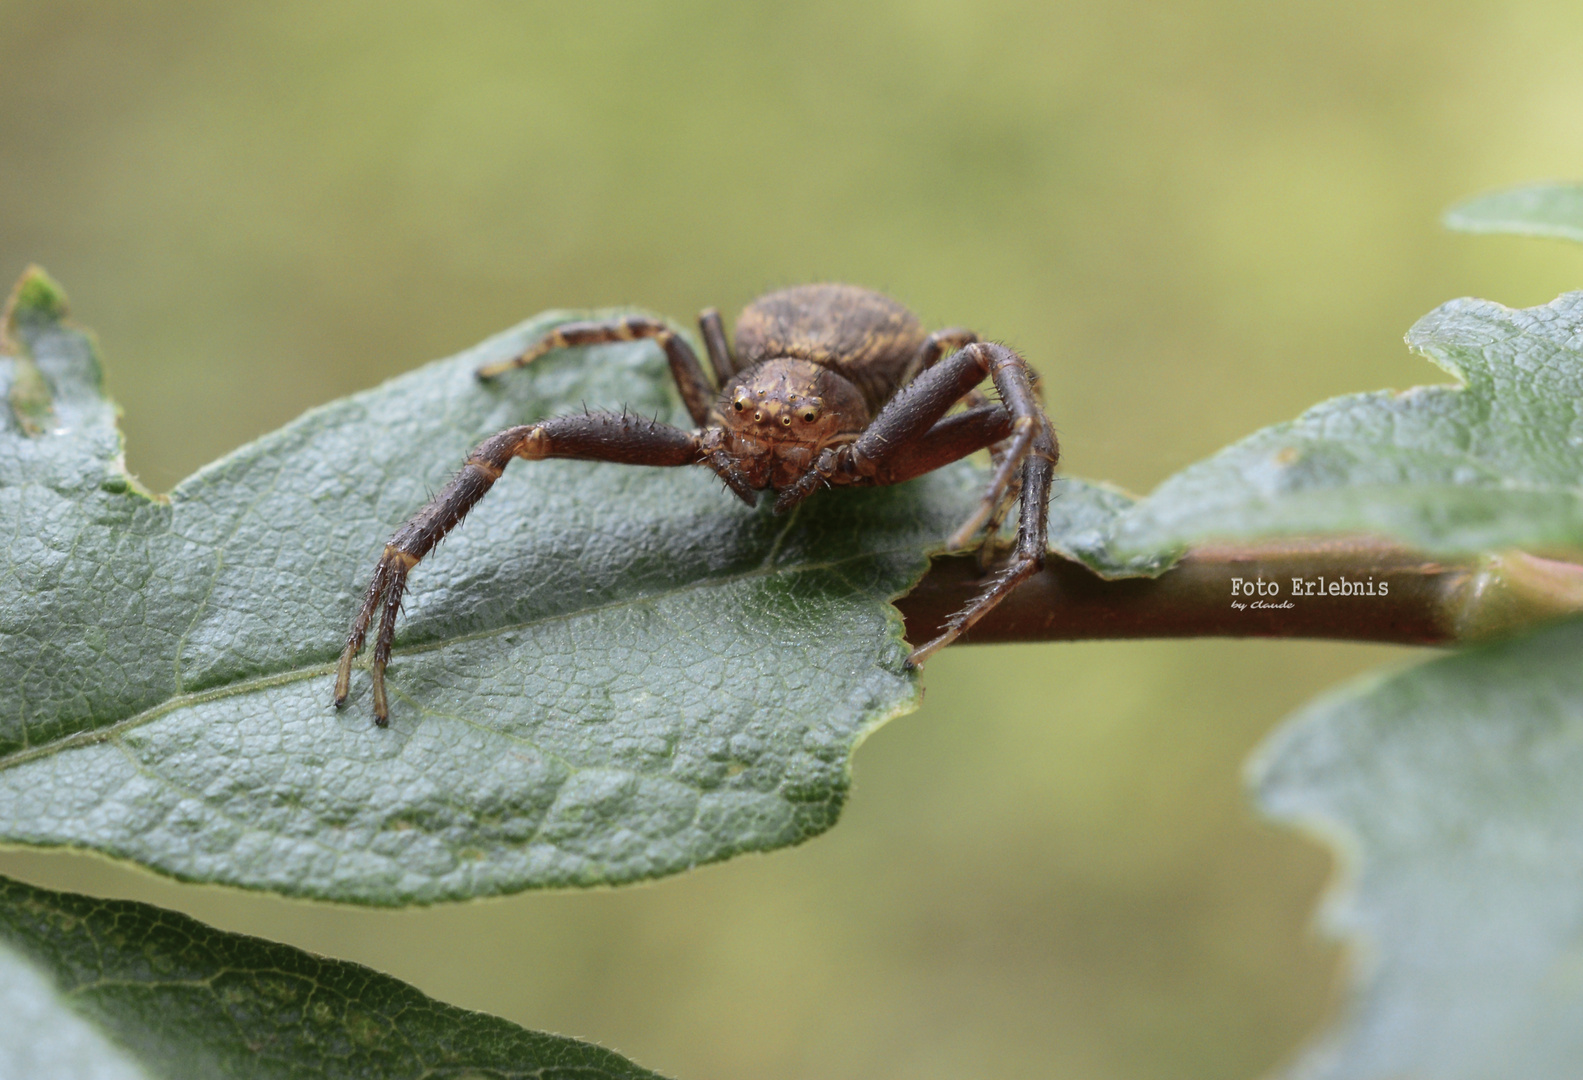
<point x="1196" y="218"/>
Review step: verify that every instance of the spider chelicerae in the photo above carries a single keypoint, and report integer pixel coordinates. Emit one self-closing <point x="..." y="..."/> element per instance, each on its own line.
<point x="827" y="386"/>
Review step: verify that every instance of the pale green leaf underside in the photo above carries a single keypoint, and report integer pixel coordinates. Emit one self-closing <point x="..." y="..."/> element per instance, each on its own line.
<point x="1455" y="792"/>
<point x="608" y="673"/>
<point x="1493" y="463"/>
<point x="114" y="990"/>
<point x="1535" y="210"/>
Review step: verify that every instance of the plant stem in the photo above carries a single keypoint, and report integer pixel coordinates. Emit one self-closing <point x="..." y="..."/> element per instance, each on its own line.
<point x="1416" y="600"/>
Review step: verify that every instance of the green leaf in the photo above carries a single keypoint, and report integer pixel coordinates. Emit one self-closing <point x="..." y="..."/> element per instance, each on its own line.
<point x="1453" y="793"/>
<point x="608" y="673"/>
<point x="111" y="989"/>
<point x="36" y="298"/>
<point x="1536" y="210"/>
<point x="1492" y="463"/>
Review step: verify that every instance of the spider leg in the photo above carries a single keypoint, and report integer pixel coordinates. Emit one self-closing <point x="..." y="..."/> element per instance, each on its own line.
<point x="1032" y="542"/>
<point x="698" y="393"/>
<point x="938" y="344"/>
<point x="951" y="439"/>
<point x="993" y="545"/>
<point x="1030" y="428"/>
<point x="916" y="408"/>
<point x="954" y="438"/>
<point x="909" y="414"/>
<point x="714" y="335"/>
<point x="725" y="467"/>
<point x="909" y="438"/>
<point x="624" y="438"/>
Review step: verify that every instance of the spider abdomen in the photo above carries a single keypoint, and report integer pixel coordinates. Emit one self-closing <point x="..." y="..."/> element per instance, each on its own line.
<point x="866" y="337"/>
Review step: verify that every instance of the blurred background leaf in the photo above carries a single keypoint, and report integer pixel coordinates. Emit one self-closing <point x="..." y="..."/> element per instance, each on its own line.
<point x="1456" y="791"/>
<point x="114" y="990"/>
<point x="1537" y="210"/>
<point x="1197" y="218"/>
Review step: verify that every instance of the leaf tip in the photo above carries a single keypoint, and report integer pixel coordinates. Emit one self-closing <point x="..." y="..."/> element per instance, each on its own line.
<point x="36" y="298"/>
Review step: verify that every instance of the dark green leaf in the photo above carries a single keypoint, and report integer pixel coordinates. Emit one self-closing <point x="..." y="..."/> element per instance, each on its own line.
<point x="112" y="989"/>
<point x="1537" y="210"/>
<point x="1453" y="793"/>
<point x="608" y="673"/>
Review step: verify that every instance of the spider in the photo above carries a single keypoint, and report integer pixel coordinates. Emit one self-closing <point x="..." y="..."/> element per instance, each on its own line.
<point x="828" y="385"/>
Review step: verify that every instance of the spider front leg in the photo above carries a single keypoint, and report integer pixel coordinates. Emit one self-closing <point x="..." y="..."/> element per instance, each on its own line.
<point x="991" y="547"/>
<point x="623" y="438"/>
<point x="716" y="345"/>
<point x="908" y="438"/>
<point x="1038" y="470"/>
<point x="914" y="411"/>
<point x="698" y="393"/>
<point x="1030" y="448"/>
<point x="939" y="343"/>
<point x="992" y="427"/>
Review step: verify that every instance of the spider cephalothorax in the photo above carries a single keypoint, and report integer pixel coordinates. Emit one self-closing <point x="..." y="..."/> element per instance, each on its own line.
<point x="774" y="420"/>
<point x="829" y="385"/>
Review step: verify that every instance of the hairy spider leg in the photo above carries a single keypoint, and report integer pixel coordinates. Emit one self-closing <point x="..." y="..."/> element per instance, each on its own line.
<point x="698" y="393"/>
<point x="917" y="407"/>
<point x="715" y="343"/>
<point x="938" y="344"/>
<point x="1030" y="426"/>
<point x="954" y="438"/>
<point x="620" y="437"/>
<point x="991" y="547"/>
<point x="1038" y="470"/>
<point x="909" y="438"/>
<point x="951" y="439"/>
<point x="911" y="413"/>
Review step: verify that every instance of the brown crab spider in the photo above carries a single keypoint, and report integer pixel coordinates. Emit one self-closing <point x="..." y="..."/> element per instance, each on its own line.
<point x="828" y="386"/>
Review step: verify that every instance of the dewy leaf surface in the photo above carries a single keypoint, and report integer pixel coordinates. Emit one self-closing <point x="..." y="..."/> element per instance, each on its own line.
<point x="1536" y="210"/>
<point x="114" y="990"/>
<point x="607" y="673"/>
<point x="1493" y="463"/>
<point x="1454" y="792"/>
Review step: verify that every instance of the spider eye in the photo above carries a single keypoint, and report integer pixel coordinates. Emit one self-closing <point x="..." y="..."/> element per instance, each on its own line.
<point x="786" y="420"/>
<point x="738" y="405"/>
<point x="808" y="415"/>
